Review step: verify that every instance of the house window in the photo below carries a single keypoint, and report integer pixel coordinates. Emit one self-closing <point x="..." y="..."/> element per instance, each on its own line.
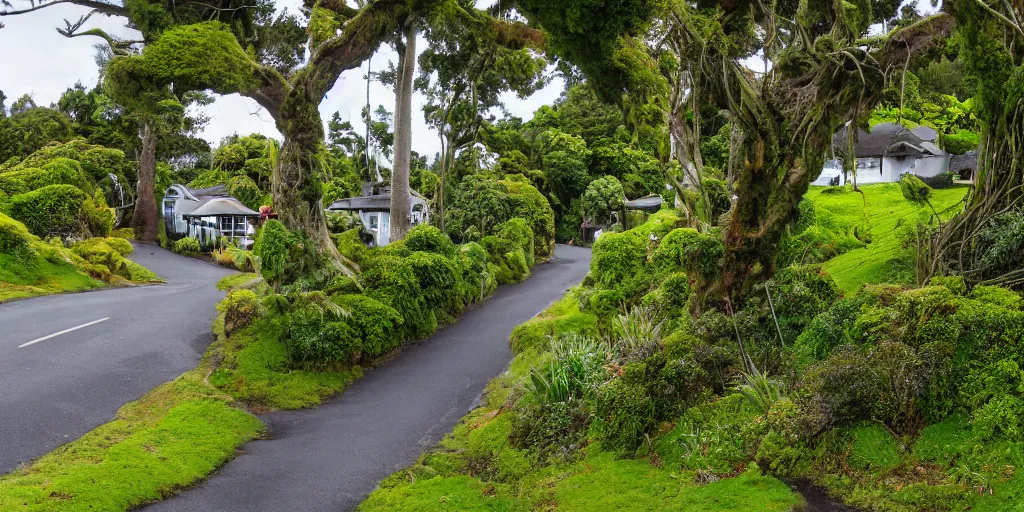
<point x="374" y="221"/>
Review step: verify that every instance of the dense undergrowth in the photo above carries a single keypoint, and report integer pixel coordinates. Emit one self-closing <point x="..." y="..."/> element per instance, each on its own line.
<point x="627" y="394"/>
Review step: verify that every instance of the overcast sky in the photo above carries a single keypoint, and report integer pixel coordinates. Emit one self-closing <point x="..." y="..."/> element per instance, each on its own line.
<point x="39" y="61"/>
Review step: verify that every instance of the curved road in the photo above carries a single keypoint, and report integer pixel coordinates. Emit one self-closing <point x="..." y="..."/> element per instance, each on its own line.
<point x="331" y="457"/>
<point x="54" y="389"/>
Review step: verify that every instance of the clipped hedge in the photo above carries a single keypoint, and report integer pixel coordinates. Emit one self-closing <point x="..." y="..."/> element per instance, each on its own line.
<point x="51" y="210"/>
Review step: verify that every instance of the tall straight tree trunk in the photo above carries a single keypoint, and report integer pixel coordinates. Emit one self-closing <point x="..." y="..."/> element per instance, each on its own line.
<point x="144" y="220"/>
<point x="401" y="197"/>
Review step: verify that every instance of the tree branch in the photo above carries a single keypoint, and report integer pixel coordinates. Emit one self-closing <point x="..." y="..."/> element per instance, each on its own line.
<point x="96" y="5"/>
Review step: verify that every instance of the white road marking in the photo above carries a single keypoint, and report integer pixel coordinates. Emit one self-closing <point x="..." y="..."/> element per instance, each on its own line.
<point x="65" y="331"/>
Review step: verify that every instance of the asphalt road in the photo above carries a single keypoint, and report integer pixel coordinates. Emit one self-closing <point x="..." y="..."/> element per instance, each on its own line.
<point x="56" y="389"/>
<point x="331" y="457"/>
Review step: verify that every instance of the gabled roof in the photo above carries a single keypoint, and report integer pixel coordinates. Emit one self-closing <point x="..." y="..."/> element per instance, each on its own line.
<point x="378" y="202"/>
<point x="890" y="139"/>
<point x="221" y="206"/>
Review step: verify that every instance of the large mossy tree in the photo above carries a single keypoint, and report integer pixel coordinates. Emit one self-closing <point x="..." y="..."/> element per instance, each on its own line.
<point x="825" y="71"/>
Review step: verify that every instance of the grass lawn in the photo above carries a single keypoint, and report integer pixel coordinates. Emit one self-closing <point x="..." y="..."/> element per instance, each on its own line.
<point x="43" y="278"/>
<point x="882" y="211"/>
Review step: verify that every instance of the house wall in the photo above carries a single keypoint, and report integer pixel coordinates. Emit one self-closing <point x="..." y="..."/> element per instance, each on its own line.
<point x="176" y="205"/>
<point x="885" y="170"/>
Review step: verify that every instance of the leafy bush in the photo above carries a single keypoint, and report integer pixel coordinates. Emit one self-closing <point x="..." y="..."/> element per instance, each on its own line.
<point x="617" y="257"/>
<point x="247" y="191"/>
<point x="393" y="281"/>
<point x="377" y="325"/>
<point x="273" y="247"/>
<point x="99" y="217"/>
<point x="351" y="246"/>
<point x="697" y="254"/>
<point x="317" y="334"/>
<point x="625" y="413"/>
<point x="914" y="189"/>
<point x="940" y="181"/>
<point x="125" y="233"/>
<point x="604" y="196"/>
<point x="15" y="239"/>
<point x="427" y="238"/>
<point x="186" y="245"/>
<point x="122" y="246"/>
<point x="240" y="308"/>
<point x="51" y="210"/>
<point x="518" y="232"/>
<point x="437" y="276"/>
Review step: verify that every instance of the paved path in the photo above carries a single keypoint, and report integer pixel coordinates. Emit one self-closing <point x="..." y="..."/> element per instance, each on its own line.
<point x="56" y="389"/>
<point x="331" y="457"/>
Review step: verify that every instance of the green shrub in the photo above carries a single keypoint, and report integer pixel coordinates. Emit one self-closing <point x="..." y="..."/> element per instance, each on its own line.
<point x="697" y="254"/>
<point x="914" y="189"/>
<point x="555" y="430"/>
<point x="526" y="202"/>
<point x="427" y="238"/>
<point x="437" y="276"/>
<point x="351" y="246"/>
<point x="99" y="216"/>
<point x="15" y="239"/>
<point x="246" y="191"/>
<point x="378" y="325"/>
<point x="273" y="247"/>
<point x="51" y="210"/>
<point x="137" y="273"/>
<point x="318" y="335"/>
<point x="122" y="246"/>
<point x="392" y="280"/>
<point x="617" y="257"/>
<point x="625" y="414"/>
<point x="518" y="232"/>
<point x="240" y="308"/>
<point x="186" y="245"/>
<point x="940" y="181"/>
<point x="475" y="283"/>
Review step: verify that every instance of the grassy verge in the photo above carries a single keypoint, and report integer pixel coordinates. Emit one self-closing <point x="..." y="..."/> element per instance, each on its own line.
<point x="232" y="281"/>
<point x="171" y="438"/>
<point x="17" y="282"/>
<point x="254" y="369"/>
<point x="881" y="211"/>
<point x="476" y="468"/>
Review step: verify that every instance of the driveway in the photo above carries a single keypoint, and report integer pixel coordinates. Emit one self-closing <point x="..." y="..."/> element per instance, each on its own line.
<point x="331" y="457"/>
<point x="68" y="362"/>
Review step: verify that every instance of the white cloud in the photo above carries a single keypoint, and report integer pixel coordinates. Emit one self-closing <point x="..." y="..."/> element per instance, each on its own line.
<point x="39" y="61"/>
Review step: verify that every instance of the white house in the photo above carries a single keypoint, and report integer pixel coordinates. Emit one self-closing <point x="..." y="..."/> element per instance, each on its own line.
<point x="885" y="154"/>
<point x="374" y="210"/>
<point x="208" y="214"/>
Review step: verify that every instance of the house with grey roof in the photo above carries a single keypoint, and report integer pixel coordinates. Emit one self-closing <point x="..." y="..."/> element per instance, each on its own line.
<point x="374" y="210"/>
<point x="208" y="214"/>
<point x="885" y="154"/>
